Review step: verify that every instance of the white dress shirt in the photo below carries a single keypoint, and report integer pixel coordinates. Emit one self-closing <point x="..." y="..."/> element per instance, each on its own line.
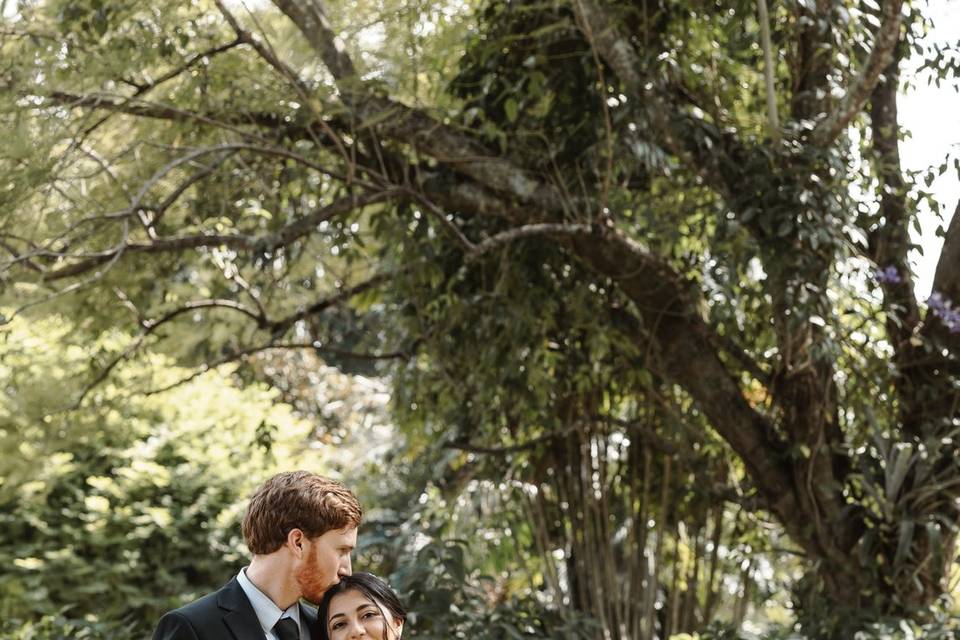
<point x="268" y="613"/>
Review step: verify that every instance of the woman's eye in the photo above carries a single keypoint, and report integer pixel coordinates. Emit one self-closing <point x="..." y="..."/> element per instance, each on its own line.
<point x="337" y="625"/>
<point x="370" y="614"/>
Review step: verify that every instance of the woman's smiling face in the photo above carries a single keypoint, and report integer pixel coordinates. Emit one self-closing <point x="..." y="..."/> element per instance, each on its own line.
<point x="353" y="615"/>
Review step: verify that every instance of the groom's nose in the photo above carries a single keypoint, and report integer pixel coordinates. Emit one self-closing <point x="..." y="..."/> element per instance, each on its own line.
<point x="345" y="568"/>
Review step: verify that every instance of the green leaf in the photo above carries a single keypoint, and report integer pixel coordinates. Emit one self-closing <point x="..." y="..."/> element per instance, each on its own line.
<point x="510" y="108"/>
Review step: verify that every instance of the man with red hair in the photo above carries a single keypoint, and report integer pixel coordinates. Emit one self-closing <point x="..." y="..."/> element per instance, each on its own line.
<point x="300" y="529"/>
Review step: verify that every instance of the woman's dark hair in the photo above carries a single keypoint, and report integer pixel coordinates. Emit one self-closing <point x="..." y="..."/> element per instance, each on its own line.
<point x="372" y="588"/>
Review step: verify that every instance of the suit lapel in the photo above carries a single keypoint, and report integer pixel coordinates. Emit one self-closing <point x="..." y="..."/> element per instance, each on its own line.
<point x="239" y="617"/>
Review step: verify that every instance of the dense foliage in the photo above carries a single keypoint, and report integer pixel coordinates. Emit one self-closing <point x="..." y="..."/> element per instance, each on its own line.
<point x="113" y="515"/>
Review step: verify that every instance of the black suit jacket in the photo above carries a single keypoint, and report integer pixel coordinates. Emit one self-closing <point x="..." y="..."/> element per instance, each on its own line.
<point x="222" y="615"/>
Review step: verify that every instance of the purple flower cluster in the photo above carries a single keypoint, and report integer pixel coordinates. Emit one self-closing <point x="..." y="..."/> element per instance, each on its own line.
<point x="887" y="275"/>
<point x="945" y="310"/>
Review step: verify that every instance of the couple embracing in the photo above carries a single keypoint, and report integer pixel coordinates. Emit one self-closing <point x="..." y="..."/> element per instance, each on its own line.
<point x="300" y="529"/>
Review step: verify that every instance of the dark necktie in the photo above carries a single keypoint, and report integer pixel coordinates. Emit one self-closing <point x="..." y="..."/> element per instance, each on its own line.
<point x="287" y="629"/>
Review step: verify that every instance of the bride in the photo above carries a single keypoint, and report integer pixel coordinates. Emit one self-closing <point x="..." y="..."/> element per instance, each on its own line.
<point x="361" y="606"/>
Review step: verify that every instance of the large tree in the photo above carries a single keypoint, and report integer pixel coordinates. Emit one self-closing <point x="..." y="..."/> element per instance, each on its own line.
<point x="714" y="189"/>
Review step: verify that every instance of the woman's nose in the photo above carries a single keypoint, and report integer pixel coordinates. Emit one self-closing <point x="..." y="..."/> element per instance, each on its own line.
<point x="357" y="630"/>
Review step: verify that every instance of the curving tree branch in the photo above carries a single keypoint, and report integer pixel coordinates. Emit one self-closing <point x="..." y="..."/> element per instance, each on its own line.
<point x="310" y="17"/>
<point x="155" y="110"/>
<point x="396" y="121"/>
<point x="856" y="96"/>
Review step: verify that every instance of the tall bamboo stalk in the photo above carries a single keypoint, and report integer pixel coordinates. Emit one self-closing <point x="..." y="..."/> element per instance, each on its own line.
<point x="674" y="596"/>
<point x="715" y="539"/>
<point x="743" y="601"/>
<point x="661" y="529"/>
<point x="768" y="71"/>
<point x="645" y="610"/>
<point x="692" y="592"/>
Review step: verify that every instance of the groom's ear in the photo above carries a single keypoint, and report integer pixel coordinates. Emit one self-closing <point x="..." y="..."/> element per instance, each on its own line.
<point x="295" y="541"/>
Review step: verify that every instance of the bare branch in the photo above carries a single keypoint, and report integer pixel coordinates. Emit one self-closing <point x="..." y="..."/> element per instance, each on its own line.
<point x="135" y="204"/>
<point x="186" y="66"/>
<point x="529" y="231"/>
<point x="238" y="355"/>
<point x="475" y="250"/>
<point x="469" y="447"/>
<point x="152" y="325"/>
<point x="76" y="286"/>
<point x="155" y="110"/>
<point x="283" y="237"/>
<point x="447" y="224"/>
<point x="105" y="167"/>
<point x="17" y="33"/>
<point x="143" y="88"/>
<point x="269" y="56"/>
<point x="18" y="258"/>
<point x="461" y="152"/>
<point x="279" y="327"/>
<point x="310" y="221"/>
<point x="160" y="210"/>
<point x="729" y="346"/>
<point x="160" y="245"/>
<point x="467" y="195"/>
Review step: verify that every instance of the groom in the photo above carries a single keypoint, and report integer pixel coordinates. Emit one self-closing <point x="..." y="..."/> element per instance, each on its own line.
<point x="300" y="529"/>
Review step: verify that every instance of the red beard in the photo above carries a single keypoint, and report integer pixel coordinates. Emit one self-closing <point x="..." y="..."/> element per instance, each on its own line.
<point x="311" y="581"/>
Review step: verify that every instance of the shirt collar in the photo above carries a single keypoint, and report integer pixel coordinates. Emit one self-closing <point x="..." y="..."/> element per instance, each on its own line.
<point x="268" y="613"/>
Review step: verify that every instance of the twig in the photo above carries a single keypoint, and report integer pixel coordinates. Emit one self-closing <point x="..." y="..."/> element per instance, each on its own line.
<point x="77" y="285"/>
<point x="267" y="52"/>
<point x="146" y="109"/>
<point x="283" y="237"/>
<point x="280" y="327"/>
<point x="233" y="357"/>
<point x="152" y="325"/>
<point x="160" y="210"/>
